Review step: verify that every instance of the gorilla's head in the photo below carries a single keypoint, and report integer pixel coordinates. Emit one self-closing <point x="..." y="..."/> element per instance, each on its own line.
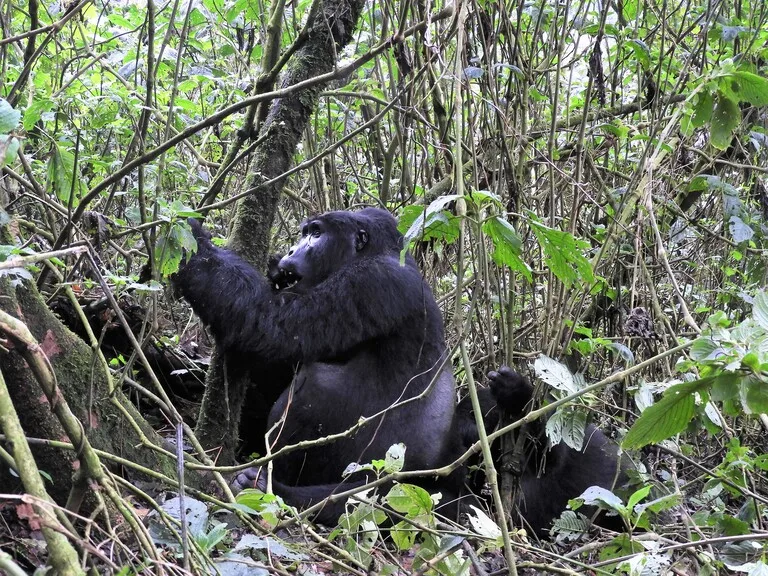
<point x="333" y="240"/>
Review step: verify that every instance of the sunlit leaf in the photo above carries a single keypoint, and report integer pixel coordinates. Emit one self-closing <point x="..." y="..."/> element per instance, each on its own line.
<point x="740" y="230"/>
<point x="9" y="117"/>
<point x="567" y="426"/>
<point x="599" y="496"/>
<point x="506" y="245"/>
<point x="555" y="373"/>
<point x="563" y="254"/>
<point x="760" y="309"/>
<point x="749" y="87"/>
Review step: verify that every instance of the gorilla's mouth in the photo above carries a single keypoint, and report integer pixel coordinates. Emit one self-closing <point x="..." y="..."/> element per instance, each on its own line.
<point x="290" y="279"/>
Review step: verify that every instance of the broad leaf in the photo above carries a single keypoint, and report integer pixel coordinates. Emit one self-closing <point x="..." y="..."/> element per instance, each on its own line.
<point x="61" y="174"/>
<point x="702" y="111"/>
<point x="602" y="497"/>
<point x="555" y="374"/>
<point x="35" y="111"/>
<point x="725" y="118"/>
<point x="749" y="87"/>
<point x="740" y="230"/>
<point x="506" y="245"/>
<point x="642" y="52"/>
<point x="760" y="309"/>
<point x="409" y="500"/>
<point x="667" y="417"/>
<point x="9" y="118"/>
<point x="9" y="147"/>
<point x="567" y="426"/>
<point x="756" y="394"/>
<point x="563" y="254"/>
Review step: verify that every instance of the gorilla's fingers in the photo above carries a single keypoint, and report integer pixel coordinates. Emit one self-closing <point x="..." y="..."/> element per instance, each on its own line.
<point x="253" y="477"/>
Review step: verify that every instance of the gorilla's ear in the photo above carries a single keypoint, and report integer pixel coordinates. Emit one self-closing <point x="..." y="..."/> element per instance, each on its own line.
<point x="361" y="240"/>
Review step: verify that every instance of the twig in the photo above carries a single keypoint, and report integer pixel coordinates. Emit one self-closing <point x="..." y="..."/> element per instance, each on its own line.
<point x="24" y="261"/>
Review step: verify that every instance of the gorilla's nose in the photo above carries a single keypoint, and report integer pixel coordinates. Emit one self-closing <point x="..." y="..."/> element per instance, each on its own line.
<point x="287" y="264"/>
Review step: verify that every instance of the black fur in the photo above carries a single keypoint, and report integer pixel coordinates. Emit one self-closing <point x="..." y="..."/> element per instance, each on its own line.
<point x="552" y="475"/>
<point x="364" y="334"/>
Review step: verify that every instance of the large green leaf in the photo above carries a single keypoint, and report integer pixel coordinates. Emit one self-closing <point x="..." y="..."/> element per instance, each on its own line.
<point x="702" y="111"/>
<point x="9" y="118"/>
<point x="642" y="52"/>
<point x="61" y="174"/>
<point x="749" y="87"/>
<point x="506" y="245"/>
<point x="756" y="394"/>
<point x="667" y="417"/>
<point x="563" y="254"/>
<point x="725" y="118"/>
<point x="760" y="309"/>
<point x="409" y="500"/>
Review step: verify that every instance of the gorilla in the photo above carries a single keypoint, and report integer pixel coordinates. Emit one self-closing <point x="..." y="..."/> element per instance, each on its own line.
<point x="364" y="334"/>
<point x="551" y="475"/>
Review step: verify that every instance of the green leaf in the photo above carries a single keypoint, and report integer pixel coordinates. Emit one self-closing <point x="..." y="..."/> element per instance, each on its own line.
<point x="430" y="221"/>
<point x="725" y="386"/>
<point x="35" y="111"/>
<point x="61" y="174"/>
<point x="403" y="534"/>
<point x="725" y="118"/>
<point x="629" y="9"/>
<point x="667" y="417"/>
<point x="760" y="309"/>
<point x="170" y="248"/>
<point x="749" y="87"/>
<point x="702" y="111"/>
<point x="563" y="254"/>
<point x="642" y="52"/>
<point x="637" y="496"/>
<point x="9" y="148"/>
<point x="686" y="125"/>
<point x="9" y="118"/>
<point x="409" y="500"/>
<point x="705" y="348"/>
<point x="756" y="397"/>
<point x="731" y="526"/>
<point x="659" y="504"/>
<point x="506" y="245"/>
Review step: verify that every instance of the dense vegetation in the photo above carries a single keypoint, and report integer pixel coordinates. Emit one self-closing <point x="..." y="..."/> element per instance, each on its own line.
<point x="583" y="184"/>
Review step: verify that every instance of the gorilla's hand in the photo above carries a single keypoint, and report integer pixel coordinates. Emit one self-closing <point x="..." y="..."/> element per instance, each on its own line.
<point x="253" y="477"/>
<point x="201" y="234"/>
<point x="511" y="390"/>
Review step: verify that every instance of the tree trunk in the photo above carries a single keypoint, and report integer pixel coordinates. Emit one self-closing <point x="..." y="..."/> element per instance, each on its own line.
<point x="219" y="420"/>
<point x="85" y="387"/>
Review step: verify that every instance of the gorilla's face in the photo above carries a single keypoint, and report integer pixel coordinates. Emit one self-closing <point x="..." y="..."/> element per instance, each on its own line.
<point x="325" y="246"/>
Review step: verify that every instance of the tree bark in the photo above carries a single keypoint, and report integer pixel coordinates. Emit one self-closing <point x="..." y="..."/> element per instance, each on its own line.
<point x="85" y="387"/>
<point x="219" y="420"/>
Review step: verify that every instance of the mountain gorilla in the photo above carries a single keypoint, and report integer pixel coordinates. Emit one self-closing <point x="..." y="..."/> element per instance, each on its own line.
<point x="366" y="336"/>
<point x="545" y="490"/>
<point x="363" y="330"/>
